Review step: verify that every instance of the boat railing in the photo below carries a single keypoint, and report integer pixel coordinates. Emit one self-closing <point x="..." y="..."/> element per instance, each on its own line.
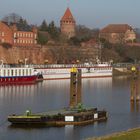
<point x="70" y="65"/>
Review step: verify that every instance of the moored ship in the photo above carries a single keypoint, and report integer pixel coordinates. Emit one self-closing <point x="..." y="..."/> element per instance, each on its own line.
<point x="17" y="75"/>
<point x="62" y="71"/>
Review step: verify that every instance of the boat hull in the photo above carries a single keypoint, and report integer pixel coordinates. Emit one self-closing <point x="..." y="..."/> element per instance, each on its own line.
<point x="64" y="73"/>
<point x="18" y="80"/>
<point x="58" y="119"/>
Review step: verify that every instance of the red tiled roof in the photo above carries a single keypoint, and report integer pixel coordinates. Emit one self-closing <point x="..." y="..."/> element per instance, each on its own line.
<point x="68" y="15"/>
<point x="116" y="28"/>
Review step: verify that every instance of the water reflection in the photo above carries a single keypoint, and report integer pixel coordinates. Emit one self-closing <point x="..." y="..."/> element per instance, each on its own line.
<point x="18" y="91"/>
<point x="135" y="94"/>
<point x="135" y="106"/>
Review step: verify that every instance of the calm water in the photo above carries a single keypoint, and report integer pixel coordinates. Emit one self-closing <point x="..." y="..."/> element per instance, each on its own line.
<point x="112" y="94"/>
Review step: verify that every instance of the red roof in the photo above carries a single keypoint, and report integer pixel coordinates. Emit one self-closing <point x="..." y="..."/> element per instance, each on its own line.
<point x="68" y="16"/>
<point x="116" y="28"/>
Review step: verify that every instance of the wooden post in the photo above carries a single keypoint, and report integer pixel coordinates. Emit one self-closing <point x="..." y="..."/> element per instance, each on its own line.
<point x="75" y="87"/>
<point x="73" y="91"/>
<point x="133" y="90"/>
<point x="137" y="91"/>
<point x="79" y="86"/>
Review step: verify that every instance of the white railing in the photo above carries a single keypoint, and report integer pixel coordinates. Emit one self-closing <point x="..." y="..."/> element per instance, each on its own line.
<point x="105" y="64"/>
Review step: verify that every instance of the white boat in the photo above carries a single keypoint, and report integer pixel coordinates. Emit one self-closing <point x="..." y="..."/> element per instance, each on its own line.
<point x="18" y="75"/>
<point x="62" y="71"/>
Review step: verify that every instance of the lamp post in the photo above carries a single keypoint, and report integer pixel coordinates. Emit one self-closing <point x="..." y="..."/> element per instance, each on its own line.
<point x="25" y="60"/>
<point x="1" y="63"/>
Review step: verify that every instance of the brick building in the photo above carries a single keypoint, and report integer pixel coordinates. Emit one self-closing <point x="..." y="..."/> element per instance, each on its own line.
<point x="15" y="35"/>
<point x="67" y="24"/>
<point x="24" y="37"/>
<point x="118" y="33"/>
<point x="6" y="35"/>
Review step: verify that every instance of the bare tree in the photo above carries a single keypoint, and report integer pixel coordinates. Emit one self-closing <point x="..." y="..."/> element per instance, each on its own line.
<point x="12" y="18"/>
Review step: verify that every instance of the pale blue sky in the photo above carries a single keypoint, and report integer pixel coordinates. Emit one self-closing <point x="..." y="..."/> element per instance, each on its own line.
<point x="92" y="13"/>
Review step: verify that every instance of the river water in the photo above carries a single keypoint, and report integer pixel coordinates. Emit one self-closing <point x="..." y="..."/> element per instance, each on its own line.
<point x="111" y="94"/>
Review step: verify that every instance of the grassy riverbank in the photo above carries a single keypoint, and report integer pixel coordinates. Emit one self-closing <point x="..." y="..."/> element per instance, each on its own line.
<point x="133" y="134"/>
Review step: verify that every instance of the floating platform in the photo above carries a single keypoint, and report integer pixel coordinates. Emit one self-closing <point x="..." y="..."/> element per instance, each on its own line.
<point x="59" y="118"/>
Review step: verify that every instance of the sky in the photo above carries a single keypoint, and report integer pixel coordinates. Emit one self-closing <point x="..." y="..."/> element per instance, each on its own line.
<point x="91" y="13"/>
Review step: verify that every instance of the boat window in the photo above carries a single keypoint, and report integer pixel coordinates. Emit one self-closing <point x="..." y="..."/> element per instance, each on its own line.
<point x="26" y="71"/>
<point x="30" y="71"/>
<point x="8" y="72"/>
<point x="15" y="72"/>
<point x="19" y="72"/>
<point x="23" y="72"/>
<point x="3" y="72"/>
<point x="12" y="72"/>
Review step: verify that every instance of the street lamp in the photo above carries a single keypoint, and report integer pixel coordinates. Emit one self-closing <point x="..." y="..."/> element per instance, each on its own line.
<point x="25" y="60"/>
<point x="46" y="61"/>
<point x="1" y="63"/>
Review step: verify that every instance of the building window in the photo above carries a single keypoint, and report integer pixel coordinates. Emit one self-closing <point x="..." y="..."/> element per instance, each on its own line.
<point x="14" y="40"/>
<point x="2" y="40"/>
<point x="15" y="35"/>
<point x="2" y="34"/>
<point x="35" y="36"/>
<point x="31" y="35"/>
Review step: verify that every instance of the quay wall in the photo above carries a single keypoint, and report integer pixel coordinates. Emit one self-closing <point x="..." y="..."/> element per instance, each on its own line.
<point x="53" y="54"/>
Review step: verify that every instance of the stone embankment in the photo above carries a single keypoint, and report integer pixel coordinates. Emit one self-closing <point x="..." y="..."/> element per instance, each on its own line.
<point x="50" y="54"/>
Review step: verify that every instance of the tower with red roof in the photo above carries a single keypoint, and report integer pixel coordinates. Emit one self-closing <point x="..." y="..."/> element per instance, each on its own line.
<point x="67" y="24"/>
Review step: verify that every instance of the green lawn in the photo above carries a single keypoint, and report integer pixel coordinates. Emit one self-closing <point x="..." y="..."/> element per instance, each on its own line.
<point x="128" y="135"/>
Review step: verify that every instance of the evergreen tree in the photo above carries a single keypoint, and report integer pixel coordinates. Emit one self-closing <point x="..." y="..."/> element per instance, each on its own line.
<point x="53" y="31"/>
<point x="43" y="26"/>
<point x="42" y="38"/>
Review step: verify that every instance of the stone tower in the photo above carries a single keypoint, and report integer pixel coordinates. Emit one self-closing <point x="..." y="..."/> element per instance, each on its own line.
<point x="67" y="24"/>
